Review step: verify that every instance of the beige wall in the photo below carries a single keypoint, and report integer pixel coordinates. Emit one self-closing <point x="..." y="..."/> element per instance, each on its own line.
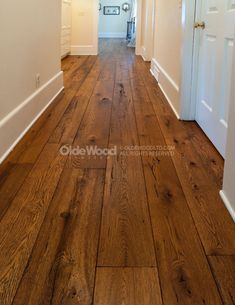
<point x="167" y="43"/>
<point x="84" y="27"/>
<point x="167" y="47"/>
<point x="30" y="45"/>
<point x="147" y="28"/>
<point x="113" y="26"/>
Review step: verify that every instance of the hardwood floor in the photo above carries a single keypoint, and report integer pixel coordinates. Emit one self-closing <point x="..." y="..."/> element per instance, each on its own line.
<point x="144" y="226"/>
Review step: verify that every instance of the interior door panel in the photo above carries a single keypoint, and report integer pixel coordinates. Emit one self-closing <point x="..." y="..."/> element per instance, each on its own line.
<point x="214" y="76"/>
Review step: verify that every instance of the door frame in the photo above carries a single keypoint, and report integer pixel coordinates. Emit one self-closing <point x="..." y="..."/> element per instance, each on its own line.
<point x="138" y="27"/>
<point x="191" y="10"/>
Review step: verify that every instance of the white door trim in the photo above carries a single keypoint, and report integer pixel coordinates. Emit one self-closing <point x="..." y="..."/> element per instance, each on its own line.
<point x="138" y="50"/>
<point x="189" y="58"/>
<point x="66" y="27"/>
<point x="96" y="28"/>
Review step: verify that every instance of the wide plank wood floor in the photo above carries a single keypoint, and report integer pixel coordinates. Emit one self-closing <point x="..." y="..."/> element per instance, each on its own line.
<point x="145" y="226"/>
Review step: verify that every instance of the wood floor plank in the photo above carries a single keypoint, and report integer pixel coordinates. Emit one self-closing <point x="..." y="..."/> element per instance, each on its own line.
<point x="133" y="71"/>
<point x="184" y="272"/>
<point x="66" y="122"/>
<point x="199" y="179"/>
<point x="61" y="269"/>
<point x="109" y="71"/>
<point x="127" y="286"/>
<point x="123" y="130"/>
<point x="122" y="72"/>
<point x="126" y="237"/>
<point x="94" y="129"/>
<point x="81" y="246"/>
<point x="67" y="62"/>
<point x="22" y="222"/>
<point x="36" y="276"/>
<point x="76" y="62"/>
<point x="79" y="75"/>
<point x="67" y="128"/>
<point x="11" y="180"/>
<point x="212" y="160"/>
<point x="223" y="268"/>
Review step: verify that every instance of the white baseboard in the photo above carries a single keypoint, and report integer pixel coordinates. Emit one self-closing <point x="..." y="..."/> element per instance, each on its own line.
<point x="169" y="88"/>
<point x="228" y="204"/>
<point x="112" y="35"/>
<point x="169" y="101"/>
<point x="143" y="53"/>
<point x="15" y="125"/>
<point x="154" y="71"/>
<point x="84" y="50"/>
<point x="65" y="55"/>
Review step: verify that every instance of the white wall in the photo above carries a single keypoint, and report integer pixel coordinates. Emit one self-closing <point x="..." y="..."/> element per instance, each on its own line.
<point x="228" y="193"/>
<point x="84" y="40"/>
<point x="30" y="45"/>
<point x="143" y="23"/>
<point x="167" y="49"/>
<point x="147" y="29"/>
<point x="113" y="26"/>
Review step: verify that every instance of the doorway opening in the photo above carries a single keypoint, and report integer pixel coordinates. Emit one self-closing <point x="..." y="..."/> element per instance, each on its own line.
<point x="117" y="23"/>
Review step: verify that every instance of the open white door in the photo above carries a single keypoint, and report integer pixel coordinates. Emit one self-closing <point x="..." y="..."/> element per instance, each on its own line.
<point x="214" y="68"/>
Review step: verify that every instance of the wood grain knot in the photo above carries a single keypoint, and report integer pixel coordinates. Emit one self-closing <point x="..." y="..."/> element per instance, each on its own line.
<point x="175" y="141"/>
<point x="65" y="215"/>
<point x="105" y="100"/>
<point x="92" y="138"/>
<point x="168" y="195"/>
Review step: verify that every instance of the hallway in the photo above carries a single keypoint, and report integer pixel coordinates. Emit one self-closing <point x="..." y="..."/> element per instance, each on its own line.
<point x="145" y="226"/>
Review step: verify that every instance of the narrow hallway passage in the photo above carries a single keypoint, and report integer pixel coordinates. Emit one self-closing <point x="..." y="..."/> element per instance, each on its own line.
<point x="142" y="226"/>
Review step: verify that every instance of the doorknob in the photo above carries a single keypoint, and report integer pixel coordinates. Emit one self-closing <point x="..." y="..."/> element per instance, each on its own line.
<point x="201" y="25"/>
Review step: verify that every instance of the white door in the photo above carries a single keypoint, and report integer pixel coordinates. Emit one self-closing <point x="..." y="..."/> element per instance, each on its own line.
<point x="214" y="68"/>
<point x="66" y="27"/>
